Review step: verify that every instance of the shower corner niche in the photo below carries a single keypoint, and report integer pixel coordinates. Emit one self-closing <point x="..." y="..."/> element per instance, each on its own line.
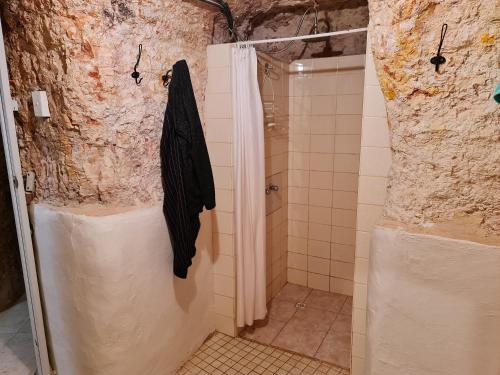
<point x="274" y="90"/>
<point x="312" y="142"/>
<point x="326" y="106"/>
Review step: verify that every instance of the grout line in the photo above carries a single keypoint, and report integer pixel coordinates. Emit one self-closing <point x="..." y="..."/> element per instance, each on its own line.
<point x="337" y="313"/>
<point x="322" y="341"/>
<point x="288" y="321"/>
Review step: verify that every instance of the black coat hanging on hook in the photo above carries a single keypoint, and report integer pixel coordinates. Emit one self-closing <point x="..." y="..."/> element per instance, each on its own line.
<point x="135" y="74"/>
<point x="439" y="59"/>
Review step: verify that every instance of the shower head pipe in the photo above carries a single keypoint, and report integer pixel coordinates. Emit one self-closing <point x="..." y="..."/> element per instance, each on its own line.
<point x="214" y="3"/>
<point x="226" y="11"/>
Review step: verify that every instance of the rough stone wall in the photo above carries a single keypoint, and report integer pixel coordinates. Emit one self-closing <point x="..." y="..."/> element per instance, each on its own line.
<point x="11" y="277"/>
<point x="445" y="126"/>
<point x="329" y="20"/>
<point x="101" y="143"/>
<point x="274" y="19"/>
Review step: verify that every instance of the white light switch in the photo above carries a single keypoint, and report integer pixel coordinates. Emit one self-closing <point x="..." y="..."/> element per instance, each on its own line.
<point x="40" y="104"/>
<point x="30" y="182"/>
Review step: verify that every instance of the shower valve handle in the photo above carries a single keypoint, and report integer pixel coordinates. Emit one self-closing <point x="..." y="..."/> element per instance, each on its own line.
<point x="271" y="187"/>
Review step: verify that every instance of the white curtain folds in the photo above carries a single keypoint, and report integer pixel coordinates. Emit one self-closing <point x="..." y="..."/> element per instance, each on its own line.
<point x="249" y="188"/>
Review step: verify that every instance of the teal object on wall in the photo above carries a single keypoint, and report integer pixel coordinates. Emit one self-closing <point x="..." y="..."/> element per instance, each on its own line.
<point x="496" y="95"/>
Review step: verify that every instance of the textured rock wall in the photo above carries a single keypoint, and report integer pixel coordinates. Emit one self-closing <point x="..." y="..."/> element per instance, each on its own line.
<point x="11" y="277"/>
<point x="445" y="127"/>
<point x="274" y="19"/>
<point x="101" y="143"/>
<point x="329" y="20"/>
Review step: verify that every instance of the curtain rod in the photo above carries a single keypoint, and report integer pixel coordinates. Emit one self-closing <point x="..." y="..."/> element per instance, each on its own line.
<point x="302" y="37"/>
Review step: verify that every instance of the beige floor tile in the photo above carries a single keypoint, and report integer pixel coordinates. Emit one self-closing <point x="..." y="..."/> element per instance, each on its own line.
<point x="264" y="331"/>
<point x="265" y="360"/>
<point x="342" y="323"/>
<point x="321" y="329"/>
<point x="293" y="293"/>
<point x="341" y="358"/>
<point x="301" y="340"/>
<point x="347" y="308"/>
<point x="326" y="301"/>
<point x="281" y="310"/>
<point x="312" y="319"/>
<point x="336" y="341"/>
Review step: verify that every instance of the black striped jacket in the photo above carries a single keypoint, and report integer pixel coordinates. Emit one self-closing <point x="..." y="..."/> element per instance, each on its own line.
<point x="187" y="178"/>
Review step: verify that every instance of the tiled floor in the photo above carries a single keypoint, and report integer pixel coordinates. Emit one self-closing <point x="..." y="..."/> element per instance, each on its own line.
<point x="16" y="344"/>
<point x="321" y="329"/>
<point x="222" y="354"/>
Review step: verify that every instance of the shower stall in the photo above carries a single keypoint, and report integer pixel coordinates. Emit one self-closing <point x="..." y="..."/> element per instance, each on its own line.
<point x="312" y="119"/>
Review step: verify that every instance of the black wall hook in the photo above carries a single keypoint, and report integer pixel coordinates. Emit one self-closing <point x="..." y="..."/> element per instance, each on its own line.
<point x="135" y="75"/>
<point x="166" y="78"/>
<point x="439" y="59"/>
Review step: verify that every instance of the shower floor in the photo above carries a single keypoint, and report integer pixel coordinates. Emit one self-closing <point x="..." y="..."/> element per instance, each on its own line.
<point x="222" y="354"/>
<point x="309" y="322"/>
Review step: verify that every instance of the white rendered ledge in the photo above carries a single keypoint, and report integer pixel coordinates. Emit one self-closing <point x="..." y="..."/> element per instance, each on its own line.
<point x="113" y="305"/>
<point x="433" y="305"/>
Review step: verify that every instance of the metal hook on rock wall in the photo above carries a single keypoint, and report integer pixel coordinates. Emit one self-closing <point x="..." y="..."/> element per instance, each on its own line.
<point x="166" y="78"/>
<point x="439" y="59"/>
<point x="135" y="74"/>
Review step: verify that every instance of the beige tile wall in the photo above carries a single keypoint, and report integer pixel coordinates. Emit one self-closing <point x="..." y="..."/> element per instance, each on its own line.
<point x="219" y="124"/>
<point x="374" y="168"/>
<point x="326" y="101"/>
<point x="276" y="154"/>
<point x="219" y="119"/>
<point x="319" y="192"/>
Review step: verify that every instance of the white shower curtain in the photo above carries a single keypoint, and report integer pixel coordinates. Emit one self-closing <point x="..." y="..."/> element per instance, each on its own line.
<point x="249" y="189"/>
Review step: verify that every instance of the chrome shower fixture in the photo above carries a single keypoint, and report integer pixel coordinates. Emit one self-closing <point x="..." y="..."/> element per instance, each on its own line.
<point x="314" y="31"/>
<point x="315" y="28"/>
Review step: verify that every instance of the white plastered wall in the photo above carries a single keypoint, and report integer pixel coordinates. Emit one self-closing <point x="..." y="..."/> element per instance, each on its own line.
<point x="113" y="305"/>
<point x="433" y="305"/>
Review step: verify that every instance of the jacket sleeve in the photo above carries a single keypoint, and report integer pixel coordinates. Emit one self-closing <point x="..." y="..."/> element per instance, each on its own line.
<point x="199" y="151"/>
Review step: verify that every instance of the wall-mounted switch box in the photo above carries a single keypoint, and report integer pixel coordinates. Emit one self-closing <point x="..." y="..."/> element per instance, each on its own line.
<point x="15" y="105"/>
<point x="30" y="182"/>
<point x="40" y="104"/>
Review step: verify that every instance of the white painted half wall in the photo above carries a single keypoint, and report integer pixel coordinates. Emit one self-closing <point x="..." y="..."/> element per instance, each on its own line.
<point x="113" y="305"/>
<point x="433" y="306"/>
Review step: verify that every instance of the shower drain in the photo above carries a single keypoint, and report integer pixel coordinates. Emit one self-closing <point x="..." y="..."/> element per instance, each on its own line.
<point x="300" y="305"/>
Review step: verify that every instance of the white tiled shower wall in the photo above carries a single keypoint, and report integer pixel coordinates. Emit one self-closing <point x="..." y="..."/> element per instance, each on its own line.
<point x="326" y="104"/>
<point x="338" y="117"/>
<point x="274" y="91"/>
<point x="219" y="137"/>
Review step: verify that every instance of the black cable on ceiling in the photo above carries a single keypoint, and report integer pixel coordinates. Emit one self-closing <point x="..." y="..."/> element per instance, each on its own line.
<point x="226" y="11"/>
